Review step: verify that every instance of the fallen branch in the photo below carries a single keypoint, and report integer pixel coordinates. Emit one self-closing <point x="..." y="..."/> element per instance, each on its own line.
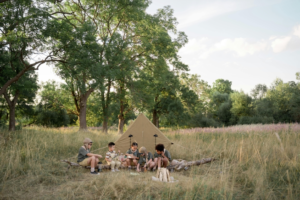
<point x="183" y="164"/>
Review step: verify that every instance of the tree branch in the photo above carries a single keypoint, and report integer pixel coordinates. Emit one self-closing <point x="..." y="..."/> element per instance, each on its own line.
<point x="2" y="1"/>
<point x="7" y="99"/>
<point x="75" y="101"/>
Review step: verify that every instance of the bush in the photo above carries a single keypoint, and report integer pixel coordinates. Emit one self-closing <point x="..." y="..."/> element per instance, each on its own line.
<point x="199" y="120"/>
<point x="53" y="118"/>
<point x="256" y="120"/>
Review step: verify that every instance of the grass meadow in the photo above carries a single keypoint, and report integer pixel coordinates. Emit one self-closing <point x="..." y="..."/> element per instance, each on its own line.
<point x="253" y="162"/>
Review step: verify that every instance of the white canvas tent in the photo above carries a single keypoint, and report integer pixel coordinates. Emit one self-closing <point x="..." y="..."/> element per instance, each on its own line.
<point x="144" y="133"/>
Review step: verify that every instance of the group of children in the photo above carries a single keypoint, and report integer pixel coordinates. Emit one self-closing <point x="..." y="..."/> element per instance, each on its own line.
<point x="141" y="158"/>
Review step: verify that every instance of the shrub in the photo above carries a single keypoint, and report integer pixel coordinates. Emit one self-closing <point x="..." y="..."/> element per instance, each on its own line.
<point x="199" y="120"/>
<point x="255" y="120"/>
<point x="53" y="118"/>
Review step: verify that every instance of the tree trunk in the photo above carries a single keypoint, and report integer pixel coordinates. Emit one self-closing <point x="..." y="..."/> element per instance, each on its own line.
<point x="104" y="126"/>
<point x="155" y="118"/>
<point x="12" y="106"/>
<point x="121" y="124"/>
<point x="122" y="107"/>
<point x="121" y="117"/>
<point x="12" y="119"/>
<point x="82" y="113"/>
<point x="105" y="106"/>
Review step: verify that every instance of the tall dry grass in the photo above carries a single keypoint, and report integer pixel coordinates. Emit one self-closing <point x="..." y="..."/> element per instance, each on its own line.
<point x="252" y="164"/>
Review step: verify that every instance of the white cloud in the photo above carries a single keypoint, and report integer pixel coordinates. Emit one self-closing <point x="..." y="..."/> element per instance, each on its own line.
<point x="280" y="44"/>
<point x="195" y="45"/>
<point x="289" y="42"/>
<point x="297" y="31"/>
<point x="203" y="47"/>
<point x="240" y="46"/>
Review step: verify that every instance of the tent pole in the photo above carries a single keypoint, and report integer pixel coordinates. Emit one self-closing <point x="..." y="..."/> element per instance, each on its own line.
<point x="155" y="139"/>
<point x="130" y="140"/>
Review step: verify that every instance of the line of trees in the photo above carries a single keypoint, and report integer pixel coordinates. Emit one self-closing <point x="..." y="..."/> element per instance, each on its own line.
<point x="116" y="60"/>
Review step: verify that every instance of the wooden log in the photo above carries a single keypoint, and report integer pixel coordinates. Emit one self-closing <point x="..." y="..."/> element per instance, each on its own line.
<point x="183" y="164"/>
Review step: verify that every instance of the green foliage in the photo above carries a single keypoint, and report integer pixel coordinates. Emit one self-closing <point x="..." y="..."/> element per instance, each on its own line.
<point x="222" y="86"/>
<point x="241" y="104"/>
<point x="198" y="120"/>
<point x="298" y="76"/>
<point x="259" y="91"/>
<point x="224" y="114"/>
<point x="200" y="88"/>
<point x="264" y="107"/>
<point x="255" y="120"/>
<point x="22" y="25"/>
<point x="55" y="107"/>
<point x="285" y="98"/>
<point x="52" y="118"/>
<point x="3" y="113"/>
<point x="19" y="95"/>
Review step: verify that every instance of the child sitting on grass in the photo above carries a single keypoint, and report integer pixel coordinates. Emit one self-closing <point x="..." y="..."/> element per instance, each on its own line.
<point x="112" y="157"/>
<point x="145" y="159"/>
<point x="132" y="155"/>
<point x="162" y="157"/>
<point x="85" y="158"/>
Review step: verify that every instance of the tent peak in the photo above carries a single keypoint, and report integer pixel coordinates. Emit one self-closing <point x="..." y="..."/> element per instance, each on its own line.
<point x="142" y="131"/>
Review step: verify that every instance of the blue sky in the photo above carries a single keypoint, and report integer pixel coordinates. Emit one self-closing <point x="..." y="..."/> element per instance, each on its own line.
<point x="245" y="41"/>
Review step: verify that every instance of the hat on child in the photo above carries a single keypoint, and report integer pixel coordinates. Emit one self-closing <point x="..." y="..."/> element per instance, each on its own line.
<point x="143" y="150"/>
<point x="86" y="141"/>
